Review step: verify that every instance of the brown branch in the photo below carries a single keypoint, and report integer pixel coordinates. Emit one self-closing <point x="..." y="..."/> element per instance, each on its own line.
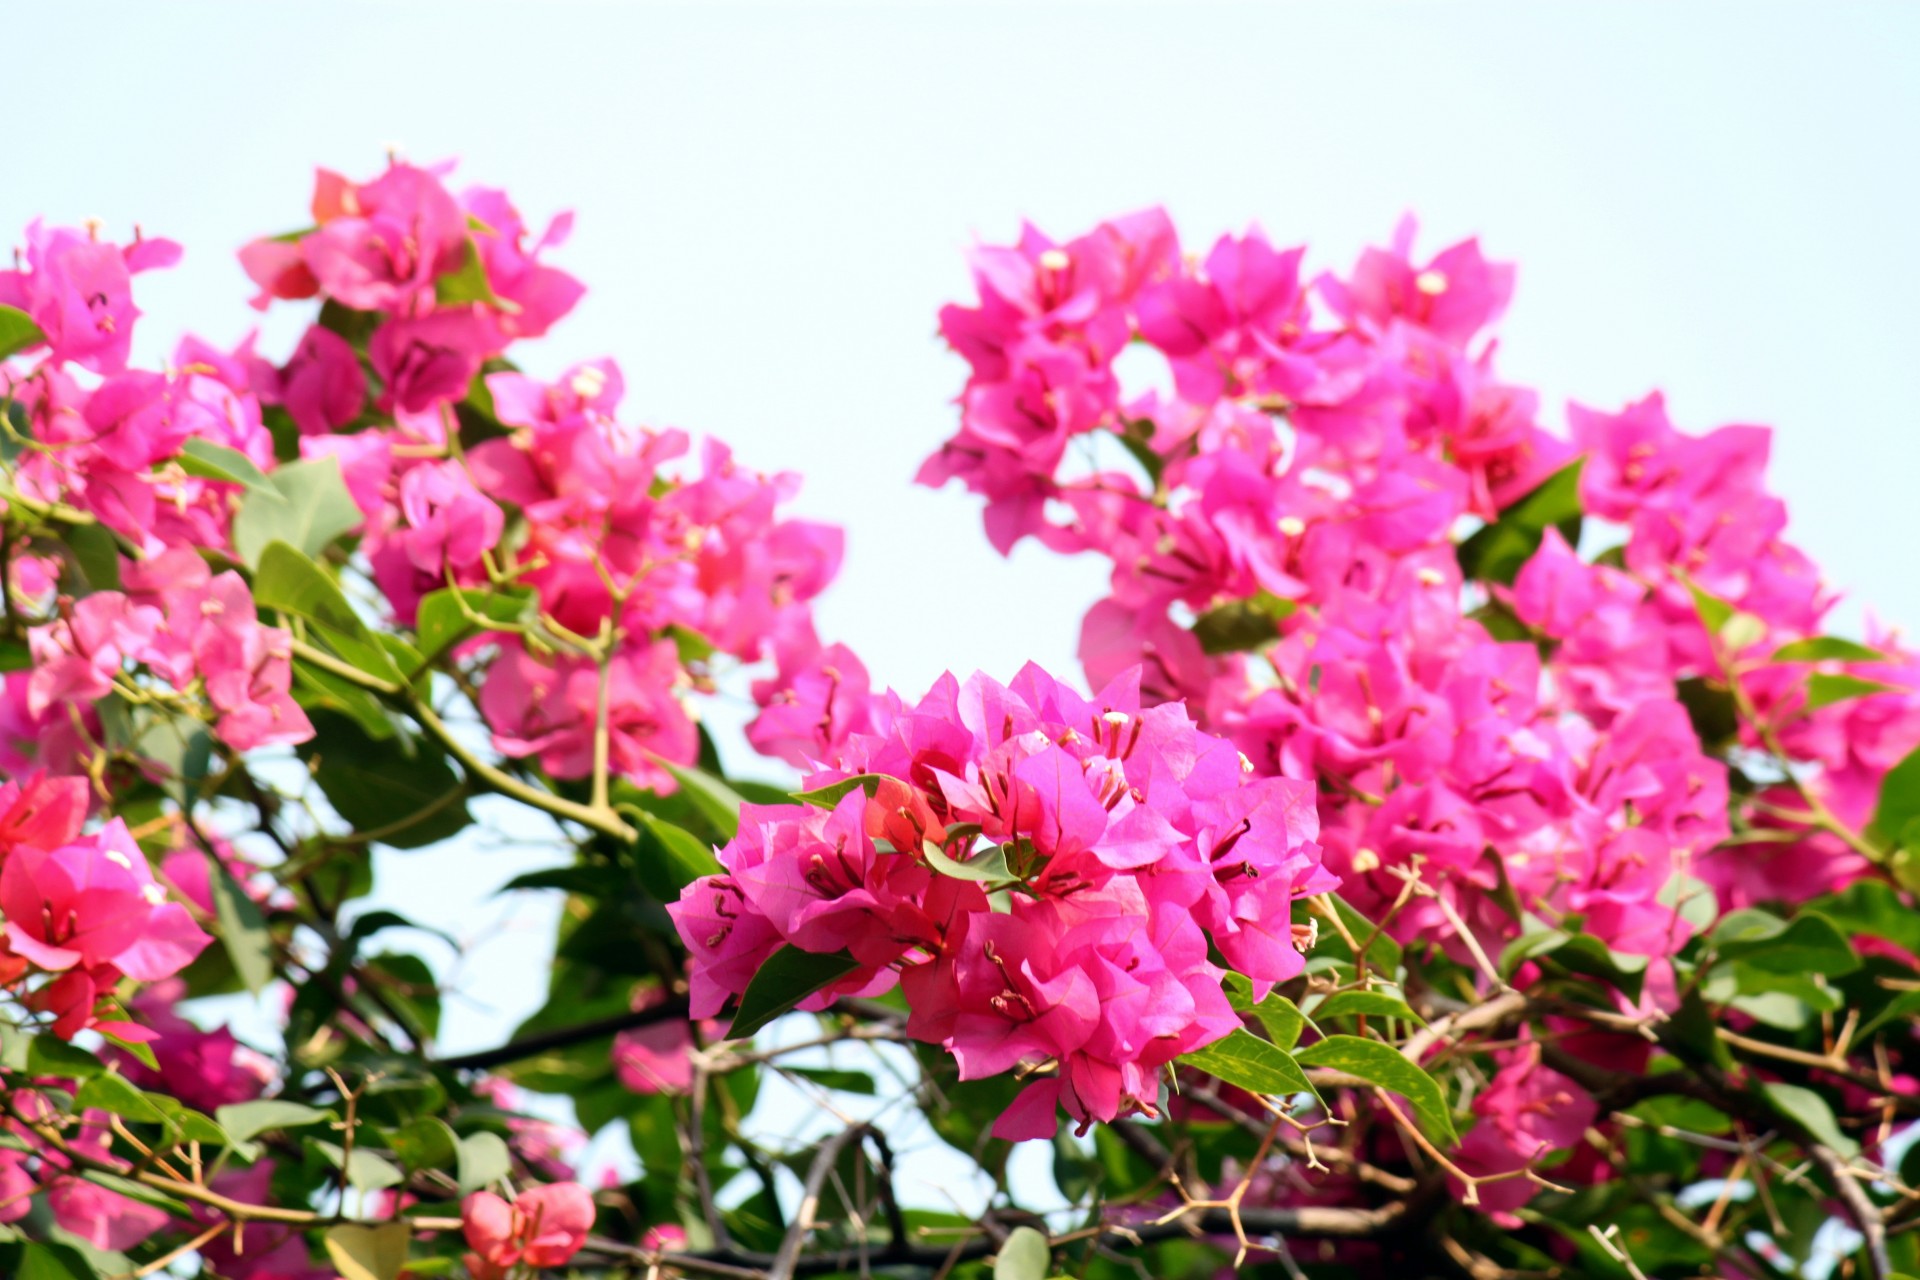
<point x="785" y="1261"/>
<point x="1865" y="1214"/>
<point x="1306" y="1222"/>
<point x="563" y="1037"/>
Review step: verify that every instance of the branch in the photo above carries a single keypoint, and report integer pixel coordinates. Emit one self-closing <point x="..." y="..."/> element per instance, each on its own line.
<point x="1307" y="1222"/>
<point x="606" y="822"/>
<point x="562" y="1037"/>
<point x="237" y="1210"/>
<point x="1865" y="1214"/>
<point x="788" y="1258"/>
<point x="603" y="820"/>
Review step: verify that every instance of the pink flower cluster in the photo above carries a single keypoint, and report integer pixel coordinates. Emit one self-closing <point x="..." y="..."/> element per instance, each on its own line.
<point x="543" y="1227"/>
<point x="110" y="449"/>
<point x="102" y="1217"/>
<point x="1527" y="1112"/>
<point x="204" y="1069"/>
<point x="182" y="624"/>
<point x="1042" y="874"/>
<point x="586" y="511"/>
<point x="104" y="442"/>
<point x="455" y="280"/>
<point x="79" y="290"/>
<point x="1286" y="558"/>
<point x="613" y="539"/>
<point x="82" y="911"/>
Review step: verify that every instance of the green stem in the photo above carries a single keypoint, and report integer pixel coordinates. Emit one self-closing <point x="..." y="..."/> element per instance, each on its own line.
<point x="598" y="818"/>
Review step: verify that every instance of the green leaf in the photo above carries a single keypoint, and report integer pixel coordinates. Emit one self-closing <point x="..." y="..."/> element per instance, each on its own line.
<point x="318" y="690"/>
<point x="469" y="283"/>
<point x="1687" y="1114"/>
<point x="830" y="1078"/>
<point x="243" y="929"/>
<point x="668" y="858"/>
<point x="47" y="1055"/>
<point x="1873" y="906"/>
<point x="114" y="1094"/>
<point x="713" y="798"/>
<point x="401" y="787"/>
<point x="1383" y="953"/>
<point x="693" y="647"/>
<point x="1242" y="625"/>
<point x="1279" y="1015"/>
<point x="483" y="1160"/>
<point x="789" y="976"/>
<point x="1692" y="898"/>
<point x="288" y="580"/>
<point x="1823" y="690"/>
<point x="1244" y="1059"/>
<point x="365" y="1170"/>
<point x="1826" y="648"/>
<point x="1710" y="708"/>
<point x="139" y="1050"/>
<point x="1809" y="943"/>
<point x="1025" y="1256"/>
<point x="987" y="867"/>
<point x="1383" y="1065"/>
<point x="1496" y="552"/>
<point x="1343" y="1004"/>
<point x="368" y="1253"/>
<point x="139" y="1191"/>
<point x="52" y="1261"/>
<point x="443" y="623"/>
<point x="17" y="331"/>
<point x="306" y="506"/>
<point x="97" y="555"/>
<point x="1580" y="953"/>
<point x="1812" y="1113"/>
<point x="210" y="461"/>
<point x="187" y="1124"/>
<point x="426" y="1143"/>
<point x="1137" y="439"/>
<point x="245" y="1121"/>
<point x="1899" y="802"/>
<point x="414" y="992"/>
<point x="1714" y="612"/>
<point x="834" y="792"/>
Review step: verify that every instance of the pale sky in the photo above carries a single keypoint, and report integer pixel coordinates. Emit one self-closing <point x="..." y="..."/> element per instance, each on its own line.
<point x="1711" y="199"/>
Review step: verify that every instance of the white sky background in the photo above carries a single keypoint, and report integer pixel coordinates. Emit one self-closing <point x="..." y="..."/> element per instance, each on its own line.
<point x="773" y="202"/>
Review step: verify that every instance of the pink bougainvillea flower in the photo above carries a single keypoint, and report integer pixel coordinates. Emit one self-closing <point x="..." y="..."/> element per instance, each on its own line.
<point x="321" y="385"/>
<point x="79" y="290"/>
<point x="543" y="1227"/>
<point x="450" y="524"/>
<point x="95" y="902"/>
<point x="428" y="360"/>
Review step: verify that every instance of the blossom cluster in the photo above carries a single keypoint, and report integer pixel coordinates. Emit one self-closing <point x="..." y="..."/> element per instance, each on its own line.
<point x="183" y="624"/>
<point x="423" y="292"/>
<point x="1289" y="563"/>
<point x="83" y="910"/>
<point x="1352" y="549"/>
<point x="1041" y="873"/>
<point x="557" y="496"/>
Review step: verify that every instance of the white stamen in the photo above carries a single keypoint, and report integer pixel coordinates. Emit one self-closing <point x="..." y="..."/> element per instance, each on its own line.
<point x="589" y="382"/>
<point x="1431" y="283"/>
